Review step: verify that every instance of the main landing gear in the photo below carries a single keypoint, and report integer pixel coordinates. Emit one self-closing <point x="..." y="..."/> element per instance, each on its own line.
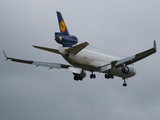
<point x="92" y="76"/>
<point x="77" y="77"/>
<point x="108" y="76"/>
<point x="124" y="84"/>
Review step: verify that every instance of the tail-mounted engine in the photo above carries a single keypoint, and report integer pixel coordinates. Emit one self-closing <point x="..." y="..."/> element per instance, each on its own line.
<point x="66" y="41"/>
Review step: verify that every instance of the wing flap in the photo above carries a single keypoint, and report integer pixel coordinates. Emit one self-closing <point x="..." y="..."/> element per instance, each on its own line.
<point x="47" y="64"/>
<point x="105" y="68"/>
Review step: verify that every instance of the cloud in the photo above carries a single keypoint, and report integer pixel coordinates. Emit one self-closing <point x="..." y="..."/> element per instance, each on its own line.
<point x="124" y="27"/>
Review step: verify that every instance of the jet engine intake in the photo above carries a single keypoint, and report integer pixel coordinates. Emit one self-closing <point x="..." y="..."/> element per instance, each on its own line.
<point x="59" y="39"/>
<point x="128" y="70"/>
<point x="125" y="70"/>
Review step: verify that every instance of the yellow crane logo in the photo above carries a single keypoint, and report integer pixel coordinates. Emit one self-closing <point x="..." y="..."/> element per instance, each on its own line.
<point x="62" y="26"/>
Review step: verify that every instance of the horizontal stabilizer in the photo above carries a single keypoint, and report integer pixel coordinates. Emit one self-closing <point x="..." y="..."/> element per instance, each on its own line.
<point x="48" y="49"/>
<point x="77" y="48"/>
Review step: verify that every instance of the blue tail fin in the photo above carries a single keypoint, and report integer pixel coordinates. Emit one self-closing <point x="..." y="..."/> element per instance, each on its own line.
<point x="62" y="25"/>
<point x="63" y="36"/>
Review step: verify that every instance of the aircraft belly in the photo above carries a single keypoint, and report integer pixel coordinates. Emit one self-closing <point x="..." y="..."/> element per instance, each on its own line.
<point x="81" y="62"/>
<point x="86" y="64"/>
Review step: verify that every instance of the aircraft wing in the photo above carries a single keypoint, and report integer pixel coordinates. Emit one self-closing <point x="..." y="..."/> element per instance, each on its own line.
<point x="137" y="57"/>
<point x="37" y="63"/>
<point x="129" y="60"/>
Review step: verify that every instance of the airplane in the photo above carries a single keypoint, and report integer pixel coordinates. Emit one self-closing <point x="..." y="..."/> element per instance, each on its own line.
<point x="81" y="60"/>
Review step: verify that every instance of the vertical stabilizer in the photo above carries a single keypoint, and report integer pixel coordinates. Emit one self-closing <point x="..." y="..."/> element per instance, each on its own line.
<point x="63" y="36"/>
<point x="62" y="25"/>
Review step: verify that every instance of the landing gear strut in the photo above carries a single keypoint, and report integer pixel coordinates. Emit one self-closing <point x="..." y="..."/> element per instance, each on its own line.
<point x="124" y="84"/>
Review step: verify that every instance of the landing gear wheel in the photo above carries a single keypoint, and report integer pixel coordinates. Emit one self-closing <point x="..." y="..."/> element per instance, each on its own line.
<point x="77" y="77"/>
<point x="92" y="76"/>
<point x="108" y="76"/>
<point x="124" y="84"/>
<point x="81" y="78"/>
<point x="111" y="76"/>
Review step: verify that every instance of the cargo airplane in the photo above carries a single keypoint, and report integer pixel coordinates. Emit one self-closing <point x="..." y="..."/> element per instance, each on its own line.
<point x="81" y="60"/>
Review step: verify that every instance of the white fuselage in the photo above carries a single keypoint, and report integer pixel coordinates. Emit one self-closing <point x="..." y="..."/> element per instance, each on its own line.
<point x="91" y="61"/>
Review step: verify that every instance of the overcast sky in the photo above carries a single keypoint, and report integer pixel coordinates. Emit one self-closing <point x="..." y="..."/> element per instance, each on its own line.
<point x="125" y="27"/>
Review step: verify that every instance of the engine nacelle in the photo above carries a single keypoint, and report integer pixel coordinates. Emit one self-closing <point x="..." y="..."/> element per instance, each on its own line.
<point x="59" y="39"/>
<point x="66" y="41"/>
<point x="128" y="70"/>
<point x="125" y="70"/>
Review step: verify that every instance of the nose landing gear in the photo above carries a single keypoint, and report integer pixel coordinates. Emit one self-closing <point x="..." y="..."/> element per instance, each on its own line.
<point x="124" y="84"/>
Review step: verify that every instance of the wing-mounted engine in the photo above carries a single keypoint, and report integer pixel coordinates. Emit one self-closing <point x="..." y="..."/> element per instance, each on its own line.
<point x="128" y="70"/>
<point x="125" y="70"/>
<point x="66" y="41"/>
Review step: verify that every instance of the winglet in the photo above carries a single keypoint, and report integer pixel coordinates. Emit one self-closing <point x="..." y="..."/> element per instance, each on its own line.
<point x="154" y="45"/>
<point x="5" y="55"/>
